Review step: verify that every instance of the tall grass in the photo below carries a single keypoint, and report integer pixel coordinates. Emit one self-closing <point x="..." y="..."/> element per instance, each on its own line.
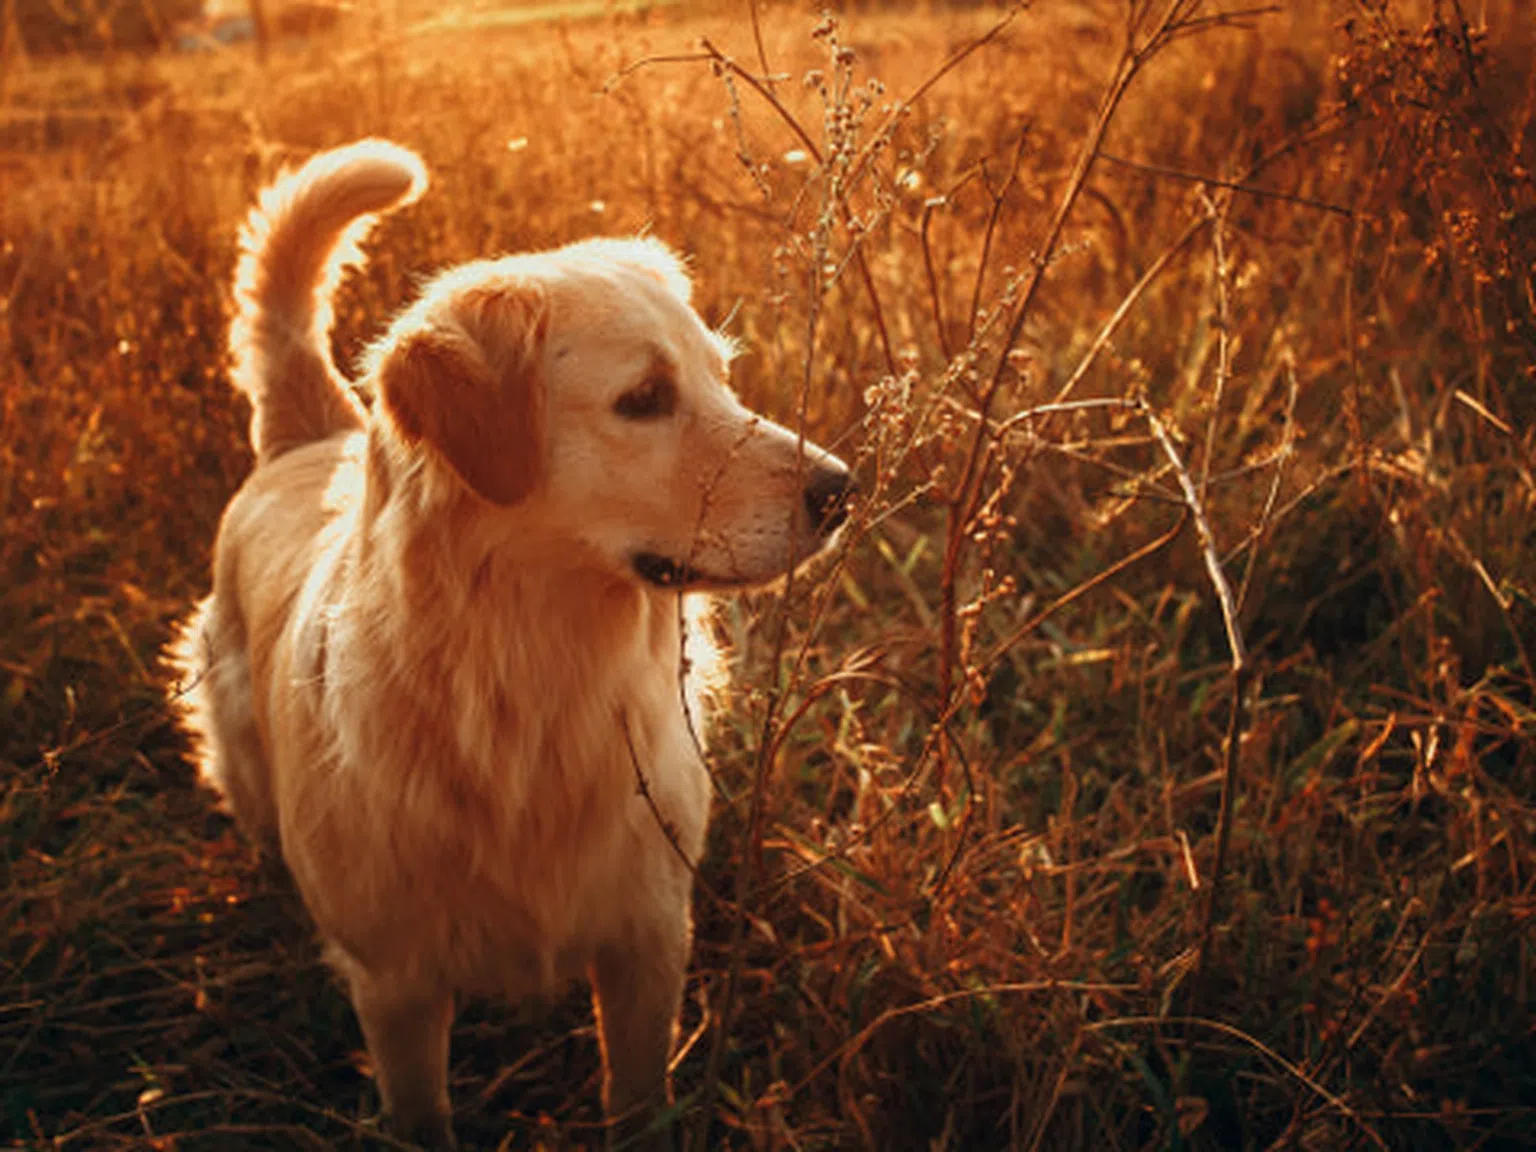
<point x="1151" y="768"/>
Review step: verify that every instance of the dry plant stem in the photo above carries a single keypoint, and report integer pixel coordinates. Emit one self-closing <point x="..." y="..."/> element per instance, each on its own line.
<point x="1257" y="1045"/>
<point x="1458" y="547"/>
<point x="1150" y="549"/>
<point x="1209" y="553"/>
<point x="877" y="311"/>
<point x="1237" y="715"/>
<point x="159" y="712"/>
<point x="908" y="787"/>
<point x="374" y="1134"/>
<point x="1131" y="61"/>
<point x="708" y="53"/>
<point x="667" y="829"/>
<point x="747" y="878"/>
<point x="967" y="495"/>
<point x="934" y="301"/>
<point x="1028" y="415"/>
<point x="856" y="169"/>
<point x="757" y="39"/>
<point x="998" y="199"/>
<point x="1390" y="992"/>
<point x="1354" y="404"/>
<point x="819" y="687"/>
<point x="771" y="736"/>
<point x="1218" y="214"/>
<point x="1112" y="325"/>
<point x="849" y="1047"/>
<point x="1041" y="1121"/>
<point x="764" y="88"/>
<point x="1238" y="185"/>
<point x="1157" y="267"/>
<point x="1287" y="446"/>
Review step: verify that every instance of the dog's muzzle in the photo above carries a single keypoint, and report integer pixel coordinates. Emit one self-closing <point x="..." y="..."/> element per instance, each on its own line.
<point x="826" y="503"/>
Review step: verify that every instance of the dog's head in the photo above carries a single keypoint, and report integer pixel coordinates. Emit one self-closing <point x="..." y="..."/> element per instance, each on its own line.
<point x="579" y="390"/>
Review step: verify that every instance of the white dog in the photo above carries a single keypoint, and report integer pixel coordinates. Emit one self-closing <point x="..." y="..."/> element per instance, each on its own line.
<point x="442" y="669"/>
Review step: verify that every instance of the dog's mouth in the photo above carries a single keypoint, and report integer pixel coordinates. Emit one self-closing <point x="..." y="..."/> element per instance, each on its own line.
<point x="654" y="568"/>
<point x="664" y="572"/>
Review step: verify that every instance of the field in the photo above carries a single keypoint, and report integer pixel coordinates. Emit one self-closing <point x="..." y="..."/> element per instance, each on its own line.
<point x="1154" y="765"/>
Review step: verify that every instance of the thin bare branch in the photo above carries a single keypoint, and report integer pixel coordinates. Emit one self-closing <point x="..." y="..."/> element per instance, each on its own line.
<point x="1112" y="325"/>
<point x="1258" y="1045"/>
<point x="1209" y="553"/>
<point x="1018" y="633"/>
<point x="934" y="300"/>
<point x="1221" y="278"/>
<point x="642" y="784"/>
<point x="856" y="169"/>
<point x="757" y="39"/>
<point x="998" y="199"/>
<point x="1231" y="185"/>
<point x="1242" y="675"/>
<point x="1287" y="446"/>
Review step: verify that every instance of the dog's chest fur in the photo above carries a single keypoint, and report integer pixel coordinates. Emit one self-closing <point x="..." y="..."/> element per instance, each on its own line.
<point x="504" y="756"/>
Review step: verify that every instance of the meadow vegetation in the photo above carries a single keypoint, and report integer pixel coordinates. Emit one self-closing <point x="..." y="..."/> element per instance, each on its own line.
<point x="1152" y="768"/>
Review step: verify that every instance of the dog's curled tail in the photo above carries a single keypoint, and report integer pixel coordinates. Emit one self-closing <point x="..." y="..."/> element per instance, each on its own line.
<point x="295" y="245"/>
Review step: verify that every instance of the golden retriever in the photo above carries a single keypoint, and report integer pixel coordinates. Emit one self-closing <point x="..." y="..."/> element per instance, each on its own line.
<point x="452" y="664"/>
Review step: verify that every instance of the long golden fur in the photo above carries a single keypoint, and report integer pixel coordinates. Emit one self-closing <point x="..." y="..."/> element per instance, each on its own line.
<point x="442" y="668"/>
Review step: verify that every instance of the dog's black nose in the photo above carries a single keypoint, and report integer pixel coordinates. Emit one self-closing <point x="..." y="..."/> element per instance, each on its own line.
<point x="826" y="499"/>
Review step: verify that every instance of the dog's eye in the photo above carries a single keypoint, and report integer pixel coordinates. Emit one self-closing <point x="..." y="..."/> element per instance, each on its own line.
<point x="652" y="398"/>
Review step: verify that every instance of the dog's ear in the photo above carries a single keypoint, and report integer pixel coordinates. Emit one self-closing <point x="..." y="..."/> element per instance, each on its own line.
<point x="476" y="399"/>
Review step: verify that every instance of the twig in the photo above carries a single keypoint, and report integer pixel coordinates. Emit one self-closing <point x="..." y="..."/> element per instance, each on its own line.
<point x="1230" y="185"/>
<point x="1112" y="325"/>
<point x="1207" y="538"/>
<point x="998" y="199"/>
<point x="1192" y="25"/>
<point x="878" y="312"/>
<point x="667" y="828"/>
<point x="850" y="1047"/>
<point x="1028" y="414"/>
<point x="160" y="710"/>
<point x="757" y="38"/>
<point x="1218" y="215"/>
<point x="358" y="1128"/>
<point x="955" y="58"/>
<point x="710" y="54"/>
<point x="1056" y="605"/>
<point x="934" y="301"/>
<point x="1258" y="1045"/>
<point x="1393" y="988"/>
<point x="1237" y="715"/>
<point x="751" y="865"/>
<point x="968" y="493"/>
<point x="1287" y="445"/>
<point x="1300" y="497"/>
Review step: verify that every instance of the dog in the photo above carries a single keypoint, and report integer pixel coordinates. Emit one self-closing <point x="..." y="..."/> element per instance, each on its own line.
<point x="456" y="657"/>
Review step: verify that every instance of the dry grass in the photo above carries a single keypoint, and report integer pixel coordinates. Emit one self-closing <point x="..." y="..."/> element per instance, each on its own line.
<point x="1022" y="841"/>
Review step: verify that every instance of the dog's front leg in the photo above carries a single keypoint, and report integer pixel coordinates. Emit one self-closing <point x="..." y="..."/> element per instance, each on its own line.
<point x="638" y="987"/>
<point x="406" y="1030"/>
